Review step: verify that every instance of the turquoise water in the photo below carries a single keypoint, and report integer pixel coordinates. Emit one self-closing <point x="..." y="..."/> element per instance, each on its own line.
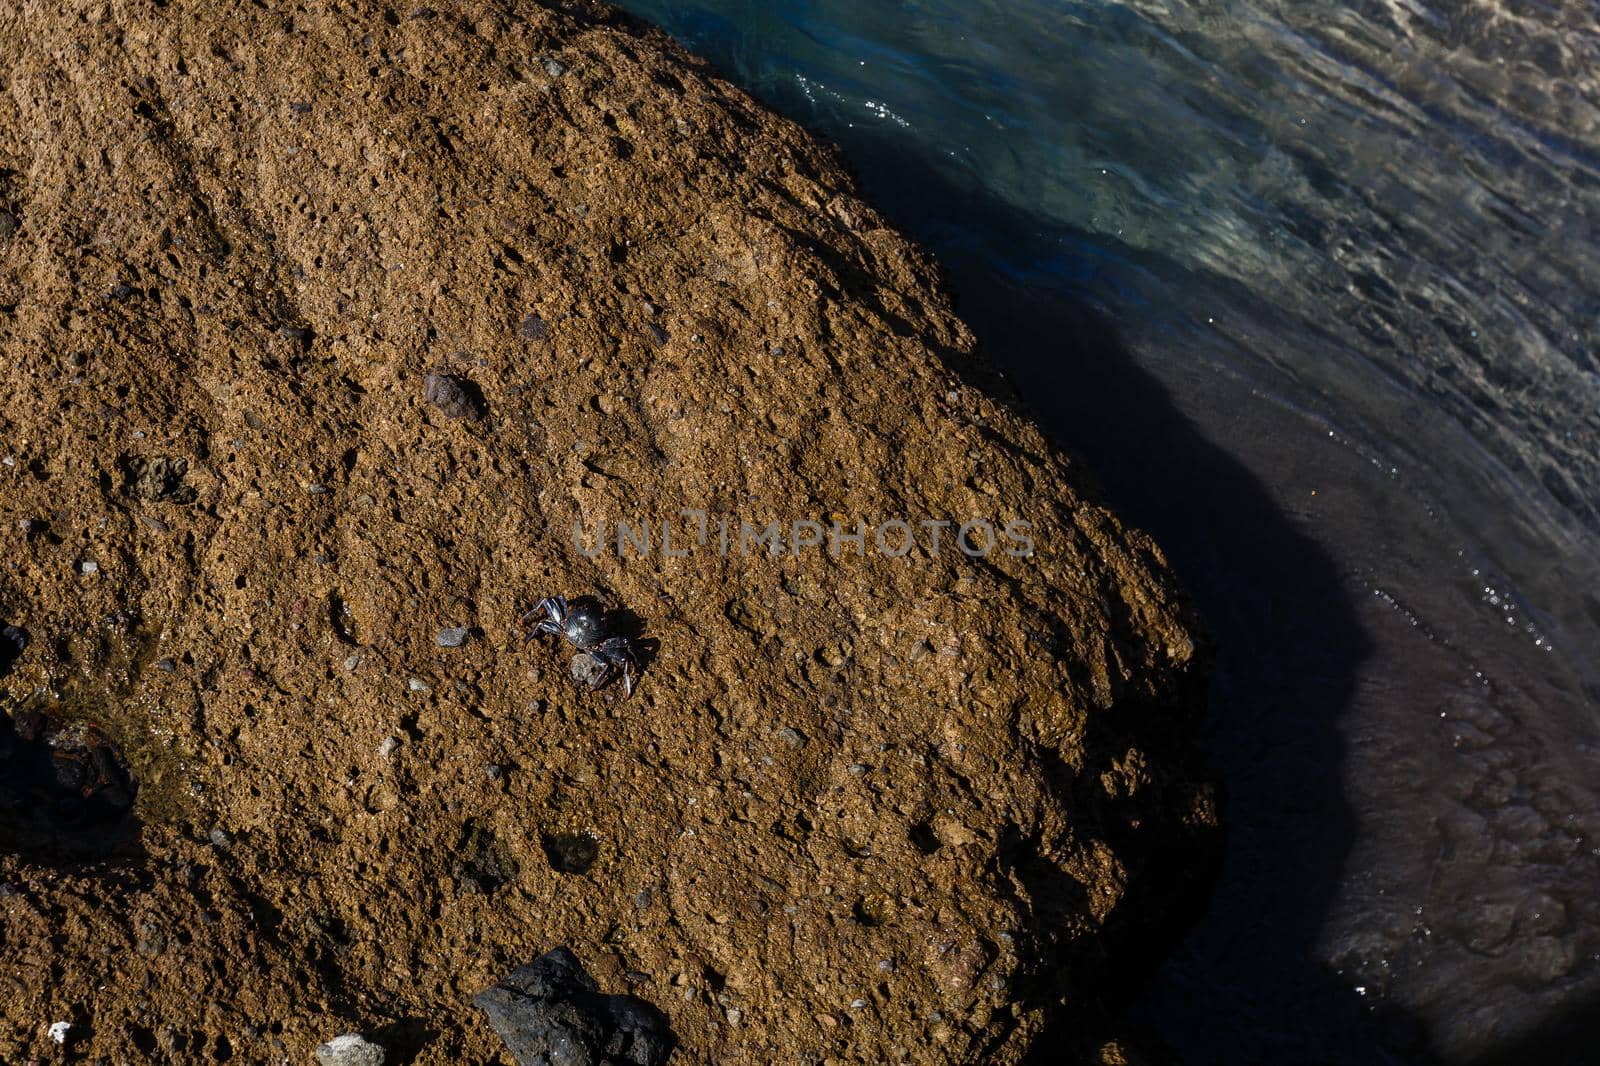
<point x="1314" y="289"/>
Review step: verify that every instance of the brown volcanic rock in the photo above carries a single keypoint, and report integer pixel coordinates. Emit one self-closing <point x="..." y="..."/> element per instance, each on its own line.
<point x="861" y="808"/>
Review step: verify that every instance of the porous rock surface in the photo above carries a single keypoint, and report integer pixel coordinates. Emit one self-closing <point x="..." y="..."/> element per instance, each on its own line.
<point x="862" y="808"/>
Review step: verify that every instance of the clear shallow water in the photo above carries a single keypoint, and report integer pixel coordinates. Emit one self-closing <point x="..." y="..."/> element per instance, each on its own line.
<point x="1314" y="290"/>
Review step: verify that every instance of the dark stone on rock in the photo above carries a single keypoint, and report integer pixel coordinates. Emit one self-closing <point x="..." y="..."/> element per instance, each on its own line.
<point x="657" y="333"/>
<point x="534" y="329"/>
<point x="8" y="225"/>
<point x="455" y="396"/>
<point x="552" y="1013"/>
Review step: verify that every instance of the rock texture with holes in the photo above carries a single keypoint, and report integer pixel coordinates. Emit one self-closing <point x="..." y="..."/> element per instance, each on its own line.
<point x="328" y="328"/>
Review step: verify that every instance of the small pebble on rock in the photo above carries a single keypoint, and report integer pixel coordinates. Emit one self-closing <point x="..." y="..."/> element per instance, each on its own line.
<point x="792" y="737"/>
<point x="389" y="746"/>
<point x="455" y="397"/>
<point x="453" y="637"/>
<point x="88" y="566"/>
<point x="351" y="1049"/>
<point x="554" y="67"/>
<point x="657" y="334"/>
<point x="587" y="670"/>
<point x="219" y="837"/>
<point x="416" y="684"/>
<point x="534" y="329"/>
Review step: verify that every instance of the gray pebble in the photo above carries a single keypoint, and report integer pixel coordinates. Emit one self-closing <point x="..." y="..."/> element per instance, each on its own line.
<point x="534" y="329"/>
<point x="88" y="566"/>
<point x="657" y="334"/>
<point x="453" y="637"/>
<point x="351" y="1049"/>
<point x="389" y="746"/>
<point x="588" y="671"/>
<point x="166" y="666"/>
<point x="8" y="225"/>
<point x="219" y="837"/>
<point x="792" y="737"/>
<point x="554" y="67"/>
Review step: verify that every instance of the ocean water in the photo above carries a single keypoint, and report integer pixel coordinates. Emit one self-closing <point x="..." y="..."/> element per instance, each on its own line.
<point x="1314" y="289"/>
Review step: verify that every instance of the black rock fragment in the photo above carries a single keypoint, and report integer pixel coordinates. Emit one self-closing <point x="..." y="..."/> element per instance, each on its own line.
<point x="552" y="1013"/>
<point x="455" y="396"/>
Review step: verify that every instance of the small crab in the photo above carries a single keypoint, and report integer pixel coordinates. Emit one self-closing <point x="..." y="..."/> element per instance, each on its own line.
<point x="585" y="625"/>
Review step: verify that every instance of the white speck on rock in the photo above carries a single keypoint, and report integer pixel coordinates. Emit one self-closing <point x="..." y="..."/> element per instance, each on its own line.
<point x="58" y="1031"/>
<point x="88" y="566"/>
<point x="416" y="684"/>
